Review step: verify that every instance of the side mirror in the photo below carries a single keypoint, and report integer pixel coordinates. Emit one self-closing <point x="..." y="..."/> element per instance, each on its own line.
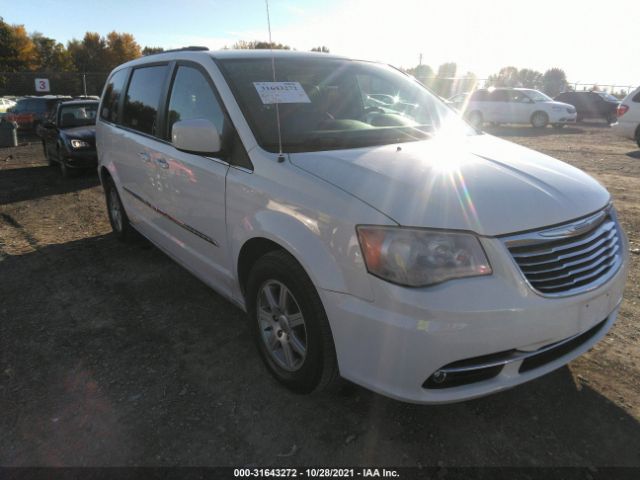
<point x="197" y="135"/>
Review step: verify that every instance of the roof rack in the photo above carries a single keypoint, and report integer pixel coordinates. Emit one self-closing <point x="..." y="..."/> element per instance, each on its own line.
<point x="191" y="48"/>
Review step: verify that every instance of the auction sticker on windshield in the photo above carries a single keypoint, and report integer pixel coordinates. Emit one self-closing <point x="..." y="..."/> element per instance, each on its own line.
<point x="281" y="92"/>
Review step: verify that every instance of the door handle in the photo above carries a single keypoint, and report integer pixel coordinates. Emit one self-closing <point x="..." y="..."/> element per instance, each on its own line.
<point x="144" y="156"/>
<point x="162" y="163"/>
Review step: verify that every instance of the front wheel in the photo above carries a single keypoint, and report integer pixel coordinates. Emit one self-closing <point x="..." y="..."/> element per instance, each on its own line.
<point x="539" y="120"/>
<point x="117" y="216"/>
<point x="291" y="328"/>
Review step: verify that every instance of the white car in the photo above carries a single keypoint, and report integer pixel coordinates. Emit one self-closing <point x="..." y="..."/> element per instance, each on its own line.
<point x="628" y="124"/>
<point x="367" y="230"/>
<point x="6" y="104"/>
<point x="517" y="105"/>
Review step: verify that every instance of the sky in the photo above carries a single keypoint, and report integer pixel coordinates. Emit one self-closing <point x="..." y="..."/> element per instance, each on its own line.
<point x="594" y="42"/>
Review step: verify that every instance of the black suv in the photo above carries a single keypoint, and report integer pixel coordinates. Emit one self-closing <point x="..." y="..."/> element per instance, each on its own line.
<point x="591" y="104"/>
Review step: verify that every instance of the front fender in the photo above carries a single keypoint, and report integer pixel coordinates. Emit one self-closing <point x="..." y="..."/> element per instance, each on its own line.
<point x="314" y="221"/>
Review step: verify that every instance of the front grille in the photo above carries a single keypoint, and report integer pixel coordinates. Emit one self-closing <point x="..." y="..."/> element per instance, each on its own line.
<point x="569" y="263"/>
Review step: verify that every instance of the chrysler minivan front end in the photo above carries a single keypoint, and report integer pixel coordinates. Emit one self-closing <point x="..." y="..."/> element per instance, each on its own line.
<point x="367" y="230"/>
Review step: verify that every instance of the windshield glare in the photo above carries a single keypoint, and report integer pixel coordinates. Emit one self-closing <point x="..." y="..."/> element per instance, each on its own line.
<point x="78" y="115"/>
<point x="346" y="104"/>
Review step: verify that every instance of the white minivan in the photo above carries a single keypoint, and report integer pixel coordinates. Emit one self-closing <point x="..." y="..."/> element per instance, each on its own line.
<point x="518" y="106"/>
<point x="628" y="124"/>
<point x="368" y="231"/>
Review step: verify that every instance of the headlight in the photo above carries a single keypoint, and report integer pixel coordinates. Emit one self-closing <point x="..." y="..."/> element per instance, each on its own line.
<point x="80" y="144"/>
<point x="417" y="258"/>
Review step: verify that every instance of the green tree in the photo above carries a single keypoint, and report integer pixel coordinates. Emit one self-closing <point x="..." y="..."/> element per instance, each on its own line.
<point x="528" y="78"/>
<point x="258" y="45"/>
<point x="17" y="50"/>
<point x="506" y="77"/>
<point x="554" y="81"/>
<point x="423" y="73"/>
<point x="321" y="49"/>
<point x="52" y="56"/>
<point x="90" y="54"/>
<point x="152" y="50"/>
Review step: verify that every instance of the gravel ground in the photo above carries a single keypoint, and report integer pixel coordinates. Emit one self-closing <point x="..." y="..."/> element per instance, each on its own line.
<point x="112" y="354"/>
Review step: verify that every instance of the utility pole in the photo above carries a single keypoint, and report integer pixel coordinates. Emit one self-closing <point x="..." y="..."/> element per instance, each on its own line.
<point x="420" y="61"/>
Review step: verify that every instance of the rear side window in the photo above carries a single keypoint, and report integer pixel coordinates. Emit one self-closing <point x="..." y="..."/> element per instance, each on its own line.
<point x="111" y="96"/>
<point x="636" y="97"/>
<point x="192" y="97"/>
<point x="499" y="96"/>
<point x="143" y="97"/>
<point x="479" y="96"/>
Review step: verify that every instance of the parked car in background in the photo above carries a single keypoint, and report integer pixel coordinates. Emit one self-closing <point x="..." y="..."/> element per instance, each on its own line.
<point x="369" y="233"/>
<point x="6" y="104"/>
<point x="29" y="112"/>
<point x="517" y="105"/>
<point x="628" y="124"/>
<point x="458" y="101"/>
<point x="591" y="105"/>
<point x="68" y="136"/>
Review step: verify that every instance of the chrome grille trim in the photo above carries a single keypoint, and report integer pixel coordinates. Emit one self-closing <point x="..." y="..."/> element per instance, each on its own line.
<point x="570" y="259"/>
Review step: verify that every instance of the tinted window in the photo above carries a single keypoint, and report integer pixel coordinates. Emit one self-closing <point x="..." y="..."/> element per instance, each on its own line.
<point x="479" y="96"/>
<point x="111" y="96"/>
<point x="192" y="97"/>
<point x="143" y="96"/>
<point x="636" y="97"/>
<point x="499" y="96"/>
<point x="77" y="115"/>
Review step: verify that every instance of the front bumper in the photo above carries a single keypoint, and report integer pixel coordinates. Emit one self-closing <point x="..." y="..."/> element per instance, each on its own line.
<point x="82" y="159"/>
<point x="562" y="117"/>
<point x="395" y="343"/>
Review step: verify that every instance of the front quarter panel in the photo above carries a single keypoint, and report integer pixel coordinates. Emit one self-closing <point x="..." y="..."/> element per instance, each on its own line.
<point x="313" y="220"/>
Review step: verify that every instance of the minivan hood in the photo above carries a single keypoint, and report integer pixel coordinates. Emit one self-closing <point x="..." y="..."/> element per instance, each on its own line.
<point x="478" y="183"/>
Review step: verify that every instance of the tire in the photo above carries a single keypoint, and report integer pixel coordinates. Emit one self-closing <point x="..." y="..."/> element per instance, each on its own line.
<point x="559" y="126"/>
<point x="65" y="170"/>
<point x="476" y="119"/>
<point x="119" y="221"/>
<point x="612" y="119"/>
<point x="314" y="369"/>
<point x="50" y="161"/>
<point x="539" y="120"/>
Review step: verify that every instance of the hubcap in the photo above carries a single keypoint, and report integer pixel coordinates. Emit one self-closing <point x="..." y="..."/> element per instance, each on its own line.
<point x="282" y="326"/>
<point x="114" y="209"/>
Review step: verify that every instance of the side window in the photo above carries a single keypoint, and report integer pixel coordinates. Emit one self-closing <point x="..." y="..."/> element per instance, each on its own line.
<point x="142" y="99"/>
<point x="499" y="96"/>
<point x="479" y="96"/>
<point x="112" y="92"/>
<point x="192" y="97"/>
<point x="518" y="96"/>
<point x="636" y="97"/>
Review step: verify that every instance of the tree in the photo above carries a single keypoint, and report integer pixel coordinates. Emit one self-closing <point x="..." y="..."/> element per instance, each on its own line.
<point x="90" y="54"/>
<point x="321" y="49"/>
<point x="444" y="79"/>
<point x="506" y="77"/>
<point x="529" y="78"/>
<point x="554" y="81"/>
<point x="52" y="56"/>
<point x="258" y="45"/>
<point x="423" y="73"/>
<point x="121" y="47"/>
<point x="17" y="50"/>
<point x="152" y="50"/>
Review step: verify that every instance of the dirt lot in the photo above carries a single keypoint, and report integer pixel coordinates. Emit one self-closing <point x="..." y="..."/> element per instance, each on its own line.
<point x="111" y="354"/>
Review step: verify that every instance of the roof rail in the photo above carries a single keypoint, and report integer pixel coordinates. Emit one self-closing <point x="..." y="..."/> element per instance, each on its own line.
<point x="191" y="48"/>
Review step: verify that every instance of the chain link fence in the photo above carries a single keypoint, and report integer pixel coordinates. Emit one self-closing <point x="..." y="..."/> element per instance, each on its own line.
<point x="60" y="83"/>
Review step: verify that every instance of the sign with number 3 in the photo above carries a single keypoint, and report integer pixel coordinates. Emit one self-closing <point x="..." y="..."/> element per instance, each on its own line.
<point x="42" y="85"/>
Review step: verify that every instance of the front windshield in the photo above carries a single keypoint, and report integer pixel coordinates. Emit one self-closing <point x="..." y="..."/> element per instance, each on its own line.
<point x="78" y="115"/>
<point x="337" y="104"/>
<point x="537" y="96"/>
